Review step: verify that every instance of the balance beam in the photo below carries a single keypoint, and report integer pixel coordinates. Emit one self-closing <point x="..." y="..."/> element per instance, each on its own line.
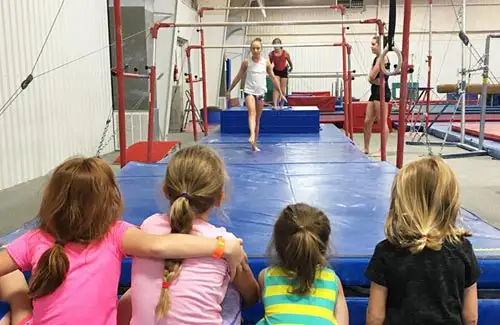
<point x="470" y="88"/>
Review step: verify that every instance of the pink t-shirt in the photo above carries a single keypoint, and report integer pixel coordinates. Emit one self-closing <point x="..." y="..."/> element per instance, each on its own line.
<point x="197" y="293"/>
<point x="88" y="295"/>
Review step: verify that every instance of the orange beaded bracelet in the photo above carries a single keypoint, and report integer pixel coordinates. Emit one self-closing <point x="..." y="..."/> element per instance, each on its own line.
<point x="219" y="250"/>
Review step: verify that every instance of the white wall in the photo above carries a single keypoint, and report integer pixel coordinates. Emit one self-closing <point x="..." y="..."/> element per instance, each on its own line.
<point x="481" y="20"/>
<point x="166" y="49"/>
<point x="214" y="57"/>
<point x="63" y="112"/>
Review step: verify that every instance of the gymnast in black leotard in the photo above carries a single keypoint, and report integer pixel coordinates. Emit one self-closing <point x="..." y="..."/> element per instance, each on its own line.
<point x="373" y="108"/>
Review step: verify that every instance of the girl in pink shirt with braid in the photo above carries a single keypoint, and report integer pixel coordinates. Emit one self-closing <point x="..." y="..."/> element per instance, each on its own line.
<point x="189" y="291"/>
<point x="76" y="251"/>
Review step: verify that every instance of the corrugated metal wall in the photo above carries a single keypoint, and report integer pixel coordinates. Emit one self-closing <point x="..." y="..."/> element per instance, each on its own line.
<point x="63" y="112"/>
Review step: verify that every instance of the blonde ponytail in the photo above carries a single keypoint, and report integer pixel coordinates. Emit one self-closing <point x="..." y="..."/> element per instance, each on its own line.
<point x="194" y="183"/>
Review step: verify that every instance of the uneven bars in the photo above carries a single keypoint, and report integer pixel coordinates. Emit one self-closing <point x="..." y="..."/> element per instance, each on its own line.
<point x="338" y="7"/>
<point x="380" y="23"/>
<point x="270" y="45"/>
<point x="323" y="75"/>
<point x="202" y="47"/>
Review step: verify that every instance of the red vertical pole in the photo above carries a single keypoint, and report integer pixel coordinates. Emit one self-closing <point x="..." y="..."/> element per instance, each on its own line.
<point x="191" y="90"/>
<point x="404" y="83"/>
<point x="428" y="102"/>
<point x="120" y="81"/>
<point x="204" y="81"/>
<point x="346" y="86"/>
<point x="151" y="109"/>
<point x="349" y="78"/>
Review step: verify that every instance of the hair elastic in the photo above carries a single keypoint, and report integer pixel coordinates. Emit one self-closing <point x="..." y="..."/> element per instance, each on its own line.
<point x="60" y="242"/>
<point x="186" y="195"/>
<point x="165" y="285"/>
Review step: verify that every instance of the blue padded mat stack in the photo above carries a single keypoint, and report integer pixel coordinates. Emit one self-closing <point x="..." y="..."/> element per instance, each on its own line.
<point x="302" y="119"/>
<point x="324" y="169"/>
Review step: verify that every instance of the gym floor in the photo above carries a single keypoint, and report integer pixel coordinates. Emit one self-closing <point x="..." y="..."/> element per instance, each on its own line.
<point x="479" y="179"/>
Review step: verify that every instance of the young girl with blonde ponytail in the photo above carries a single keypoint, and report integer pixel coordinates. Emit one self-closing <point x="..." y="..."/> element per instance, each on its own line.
<point x="425" y="272"/>
<point x="188" y="291"/>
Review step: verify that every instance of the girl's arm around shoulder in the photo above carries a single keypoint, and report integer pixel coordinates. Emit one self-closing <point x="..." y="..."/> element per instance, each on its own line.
<point x="246" y="284"/>
<point x="341" y="311"/>
<point x="7" y="263"/>
<point x="137" y="243"/>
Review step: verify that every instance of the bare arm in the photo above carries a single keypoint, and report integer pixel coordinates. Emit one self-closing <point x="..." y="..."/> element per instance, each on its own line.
<point x="243" y="69"/>
<point x="7" y="264"/>
<point x="372" y="77"/>
<point x="470" y="309"/>
<point x="246" y="284"/>
<point x="341" y="311"/>
<point x="289" y="61"/>
<point x="273" y="79"/>
<point x="138" y="243"/>
<point x="375" y="314"/>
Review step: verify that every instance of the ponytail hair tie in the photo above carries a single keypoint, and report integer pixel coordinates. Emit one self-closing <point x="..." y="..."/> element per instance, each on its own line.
<point x="60" y="242"/>
<point x="186" y="195"/>
<point x="165" y="285"/>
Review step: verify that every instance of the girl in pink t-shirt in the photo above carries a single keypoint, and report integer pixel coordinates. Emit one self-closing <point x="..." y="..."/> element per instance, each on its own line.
<point x="189" y="291"/>
<point x="76" y="251"/>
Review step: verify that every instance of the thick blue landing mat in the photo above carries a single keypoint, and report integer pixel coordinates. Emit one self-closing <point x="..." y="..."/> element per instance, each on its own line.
<point x="356" y="206"/>
<point x="294" y="120"/>
<point x="440" y="129"/>
<point x="328" y="133"/>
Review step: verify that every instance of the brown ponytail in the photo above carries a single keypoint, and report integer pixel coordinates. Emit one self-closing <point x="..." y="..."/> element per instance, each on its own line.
<point x="80" y="204"/>
<point x="194" y="183"/>
<point x="300" y="240"/>
<point x="50" y="272"/>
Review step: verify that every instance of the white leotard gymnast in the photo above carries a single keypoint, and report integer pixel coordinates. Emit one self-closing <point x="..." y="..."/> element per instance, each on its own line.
<point x="255" y="81"/>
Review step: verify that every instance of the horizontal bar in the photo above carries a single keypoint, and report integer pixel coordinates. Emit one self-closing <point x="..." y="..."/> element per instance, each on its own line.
<point x="271" y="23"/>
<point x="414" y="32"/>
<point x="323" y="75"/>
<point x="272" y="45"/>
<point x="269" y="8"/>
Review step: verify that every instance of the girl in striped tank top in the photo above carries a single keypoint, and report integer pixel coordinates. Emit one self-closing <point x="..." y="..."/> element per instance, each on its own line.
<point x="300" y="288"/>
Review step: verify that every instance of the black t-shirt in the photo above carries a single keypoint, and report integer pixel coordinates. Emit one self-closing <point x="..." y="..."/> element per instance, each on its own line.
<point x="426" y="288"/>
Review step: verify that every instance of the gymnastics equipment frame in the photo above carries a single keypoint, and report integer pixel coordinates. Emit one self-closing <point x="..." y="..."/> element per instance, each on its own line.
<point x="347" y="75"/>
<point x="483" y="89"/>
<point x="152" y="69"/>
<point x="347" y="49"/>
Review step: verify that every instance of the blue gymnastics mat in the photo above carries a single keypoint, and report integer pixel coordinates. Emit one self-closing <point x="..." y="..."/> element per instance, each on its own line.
<point x="441" y="129"/>
<point x="328" y="134"/>
<point x="292" y="120"/>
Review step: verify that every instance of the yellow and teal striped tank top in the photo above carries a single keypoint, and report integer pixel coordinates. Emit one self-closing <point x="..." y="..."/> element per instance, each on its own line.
<point x="284" y="308"/>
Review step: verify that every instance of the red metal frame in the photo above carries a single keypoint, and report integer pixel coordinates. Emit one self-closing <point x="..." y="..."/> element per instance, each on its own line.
<point x="404" y="83"/>
<point x="121" y="81"/>
<point x="154" y="32"/>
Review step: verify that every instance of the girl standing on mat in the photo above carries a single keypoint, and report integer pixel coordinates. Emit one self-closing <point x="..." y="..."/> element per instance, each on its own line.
<point x="256" y="69"/>
<point x="189" y="291"/>
<point x="373" y="107"/>
<point x="76" y="251"/>
<point x="300" y="288"/>
<point x="425" y="272"/>
<point x="279" y="58"/>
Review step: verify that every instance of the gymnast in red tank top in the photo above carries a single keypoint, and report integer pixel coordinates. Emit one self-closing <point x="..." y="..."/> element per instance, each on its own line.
<point x="279" y="58"/>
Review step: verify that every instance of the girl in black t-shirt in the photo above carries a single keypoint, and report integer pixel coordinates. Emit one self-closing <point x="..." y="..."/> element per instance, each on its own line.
<point x="425" y="272"/>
